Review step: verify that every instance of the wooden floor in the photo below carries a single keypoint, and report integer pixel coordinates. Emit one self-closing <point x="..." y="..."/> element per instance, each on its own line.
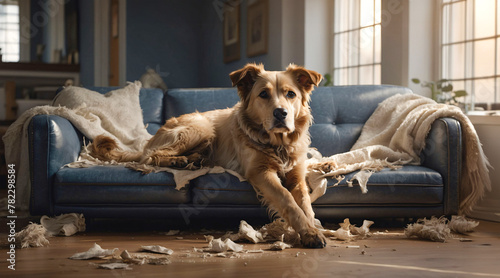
<point x="382" y="255"/>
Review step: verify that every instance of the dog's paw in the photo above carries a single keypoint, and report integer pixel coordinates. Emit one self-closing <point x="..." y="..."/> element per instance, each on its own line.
<point x="326" y="167"/>
<point x="195" y="159"/>
<point x="313" y="239"/>
<point x="172" y="161"/>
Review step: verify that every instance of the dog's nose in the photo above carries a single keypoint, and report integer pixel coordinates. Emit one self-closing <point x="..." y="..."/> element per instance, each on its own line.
<point x="280" y="113"/>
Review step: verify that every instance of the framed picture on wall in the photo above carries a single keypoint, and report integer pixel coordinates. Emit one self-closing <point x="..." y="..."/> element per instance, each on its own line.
<point x="257" y="28"/>
<point x="231" y="31"/>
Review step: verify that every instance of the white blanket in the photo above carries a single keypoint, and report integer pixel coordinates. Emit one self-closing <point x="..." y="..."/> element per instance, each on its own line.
<point x="116" y="114"/>
<point x="395" y="135"/>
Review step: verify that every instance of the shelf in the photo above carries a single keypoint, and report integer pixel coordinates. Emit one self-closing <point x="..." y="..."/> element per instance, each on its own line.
<point x="39" y="67"/>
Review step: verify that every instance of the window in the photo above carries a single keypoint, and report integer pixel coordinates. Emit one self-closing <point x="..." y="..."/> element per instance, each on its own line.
<point x="470" y="49"/>
<point x="9" y="30"/>
<point x="357" y="42"/>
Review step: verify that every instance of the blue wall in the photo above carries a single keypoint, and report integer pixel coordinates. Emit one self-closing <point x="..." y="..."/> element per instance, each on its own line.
<point x="86" y="29"/>
<point x="181" y="40"/>
<point x="213" y="72"/>
<point x="164" y="35"/>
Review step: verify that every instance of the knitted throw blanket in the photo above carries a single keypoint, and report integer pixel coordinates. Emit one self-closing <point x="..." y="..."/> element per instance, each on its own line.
<point x="395" y="135"/>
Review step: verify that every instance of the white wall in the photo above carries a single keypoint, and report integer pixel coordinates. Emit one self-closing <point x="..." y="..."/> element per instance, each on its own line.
<point x="292" y="32"/>
<point x="409" y="43"/>
<point x="422" y="44"/>
<point x="317" y="33"/>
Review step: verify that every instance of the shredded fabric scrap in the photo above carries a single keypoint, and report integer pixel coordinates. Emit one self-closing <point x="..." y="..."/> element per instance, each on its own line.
<point x="157" y="249"/>
<point x="35" y="235"/>
<point x="95" y="251"/>
<point x="32" y="235"/>
<point x="219" y="246"/>
<point x="462" y="225"/>
<point x="439" y="229"/>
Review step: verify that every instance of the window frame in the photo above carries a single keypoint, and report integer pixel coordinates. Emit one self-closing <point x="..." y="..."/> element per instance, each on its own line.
<point x="468" y="43"/>
<point x="6" y="29"/>
<point x="376" y="62"/>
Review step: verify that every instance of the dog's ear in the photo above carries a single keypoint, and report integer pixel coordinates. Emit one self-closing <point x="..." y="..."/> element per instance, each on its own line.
<point x="245" y="77"/>
<point x="304" y="77"/>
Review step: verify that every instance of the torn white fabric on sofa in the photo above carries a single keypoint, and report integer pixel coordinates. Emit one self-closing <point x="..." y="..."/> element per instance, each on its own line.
<point x="407" y="121"/>
<point x="116" y="114"/>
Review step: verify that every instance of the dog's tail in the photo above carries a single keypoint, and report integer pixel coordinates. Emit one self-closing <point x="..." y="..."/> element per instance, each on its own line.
<point x="106" y="148"/>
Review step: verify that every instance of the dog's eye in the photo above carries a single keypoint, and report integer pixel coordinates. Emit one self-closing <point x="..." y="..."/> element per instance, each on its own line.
<point x="263" y="94"/>
<point x="290" y="94"/>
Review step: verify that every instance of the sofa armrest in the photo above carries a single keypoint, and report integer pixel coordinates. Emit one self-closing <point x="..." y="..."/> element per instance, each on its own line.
<point x="53" y="142"/>
<point x="443" y="153"/>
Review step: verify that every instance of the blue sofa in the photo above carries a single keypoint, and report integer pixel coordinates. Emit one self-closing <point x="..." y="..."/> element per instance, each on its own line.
<point x="339" y="114"/>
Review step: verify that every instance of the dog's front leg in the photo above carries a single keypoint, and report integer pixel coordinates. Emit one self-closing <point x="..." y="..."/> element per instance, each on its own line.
<point x="295" y="182"/>
<point x="279" y="199"/>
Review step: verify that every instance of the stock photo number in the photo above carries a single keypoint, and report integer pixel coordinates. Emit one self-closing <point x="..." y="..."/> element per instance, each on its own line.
<point x="11" y="215"/>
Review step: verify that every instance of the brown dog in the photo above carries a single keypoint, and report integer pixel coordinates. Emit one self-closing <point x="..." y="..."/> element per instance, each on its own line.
<point x="264" y="137"/>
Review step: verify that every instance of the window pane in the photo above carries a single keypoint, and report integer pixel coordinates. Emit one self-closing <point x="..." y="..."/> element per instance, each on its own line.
<point x="12" y="9"/>
<point x="366" y="46"/>
<point x="470" y="91"/>
<point x="340" y="77"/>
<point x="342" y="50"/>
<point x="366" y="13"/>
<point x="378" y="75"/>
<point x="484" y="90"/>
<point x="378" y="44"/>
<point x="366" y="75"/>
<point x="445" y="24"/>
<point x="445" y="58"/>
<point x="469" y="24"/>
<point x="497" y="97"/>
<point x="378" y="12"/>
<point x="12" y="37"/>
<point x="341" y="16"/>
<point x="498" y="57"/>
<point x="457" y="23"/>
<point x="11" y="48"/>
<point x="353" y="76"/>
<point x="469" y="60"/>
<point x="498" y="15"/>
<point x="457" y="61"/>
<point x="484" y="59"/>
<point x="353" y="14"/>
<point x="353" y="48"/>
<point x="484" y="18"/>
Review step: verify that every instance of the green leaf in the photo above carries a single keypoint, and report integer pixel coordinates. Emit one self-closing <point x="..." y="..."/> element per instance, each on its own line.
<point x="441" y="81"/>
<point x="415" y="80"/>
<point x="448" y="88"/>
<point x="460" y="93"/>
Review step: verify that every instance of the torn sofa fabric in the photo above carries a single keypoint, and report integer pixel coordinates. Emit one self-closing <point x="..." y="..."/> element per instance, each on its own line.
<point x="407" y="119"/>
<point x="116" y="114"/>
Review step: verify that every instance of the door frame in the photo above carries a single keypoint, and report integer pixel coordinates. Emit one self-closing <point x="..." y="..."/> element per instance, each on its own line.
<point x="101" y="41"/>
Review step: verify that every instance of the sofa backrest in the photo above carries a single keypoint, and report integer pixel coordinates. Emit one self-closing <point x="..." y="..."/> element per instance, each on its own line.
<point x="183" y="101"/>
<point x="339" y="112"/>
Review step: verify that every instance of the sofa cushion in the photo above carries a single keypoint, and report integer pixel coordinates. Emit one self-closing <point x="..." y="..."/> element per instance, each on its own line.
<point x="115" y="185"/>
<point x="222" y="189"/>
<point x="331" y="139"/>
<point x="406" y="186"/>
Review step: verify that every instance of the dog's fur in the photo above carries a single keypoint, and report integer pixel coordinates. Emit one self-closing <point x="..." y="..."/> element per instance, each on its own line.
<point x="264" y="137"/>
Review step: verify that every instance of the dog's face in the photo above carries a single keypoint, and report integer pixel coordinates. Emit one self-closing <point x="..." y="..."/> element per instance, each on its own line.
<point x="275" y="99"/>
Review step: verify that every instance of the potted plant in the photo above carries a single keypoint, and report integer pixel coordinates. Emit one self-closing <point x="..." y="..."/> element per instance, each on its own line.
<point x="442" y="91"/>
